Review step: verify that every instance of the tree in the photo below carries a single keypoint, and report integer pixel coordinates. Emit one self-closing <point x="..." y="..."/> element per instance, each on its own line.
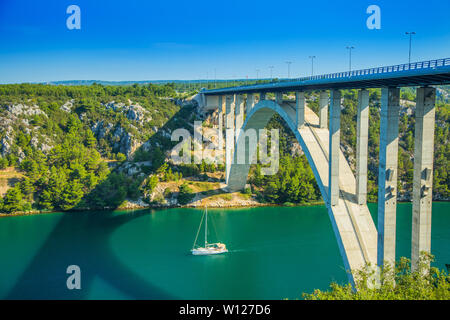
<point x="13" y="200"/>
<point x="157" y="158"/>
<point x="27" y="188"/>
<point x="121" y="157"/>
<point x="51" y="197"/>
<point x="91" y="141"/>
<point x="185" y="194"/>
<point x="71" y="195"/>
<point x="3" y="163"/>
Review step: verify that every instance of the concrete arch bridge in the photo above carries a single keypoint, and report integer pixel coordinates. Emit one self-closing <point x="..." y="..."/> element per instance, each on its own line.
<point x="345" y="193"/>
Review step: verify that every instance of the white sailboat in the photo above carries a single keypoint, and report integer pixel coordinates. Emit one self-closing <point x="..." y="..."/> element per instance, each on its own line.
<point x="209" y="248"/>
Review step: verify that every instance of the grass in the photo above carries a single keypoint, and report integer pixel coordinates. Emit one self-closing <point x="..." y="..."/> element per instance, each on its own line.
<point x="8" y="178"/>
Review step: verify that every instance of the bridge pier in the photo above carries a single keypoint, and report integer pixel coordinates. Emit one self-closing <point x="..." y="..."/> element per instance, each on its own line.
<point x="220" y="130"/>
<point x="279" y="97"/>
<point x="210" y="102"/>
<point x="387" y="176"/>
<point x="300" y="108"/>
<point x="229" y="143"/>
<point x="323" y="109"/>
<point x="250" y="102"/>
<point x="239" y="114"/>
<point x="423" y="173"/>
<point x="334" y="147"/>
<point x="220" y="114"/>
<point x="362" y="140"/>
<point x="262" y="96"/>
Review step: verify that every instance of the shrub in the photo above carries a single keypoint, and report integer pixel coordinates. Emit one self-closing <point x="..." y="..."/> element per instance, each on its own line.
<point x="398" y="283"/>
<point x="185" y="194"/>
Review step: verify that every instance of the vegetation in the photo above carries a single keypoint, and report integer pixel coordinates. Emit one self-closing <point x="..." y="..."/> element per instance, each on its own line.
<point x="294" y="182"/>
<point x="73" y="173"/>
<point x="75" y="147"/>
<point x="185" y="195"/>
<point x="398" y="283"/>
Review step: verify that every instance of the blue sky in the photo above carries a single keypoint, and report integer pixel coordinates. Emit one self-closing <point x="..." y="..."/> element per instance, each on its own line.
<point x="149" y="40"/>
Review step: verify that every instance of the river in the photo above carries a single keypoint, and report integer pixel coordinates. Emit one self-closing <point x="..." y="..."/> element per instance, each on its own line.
<point x="275" y="253"/>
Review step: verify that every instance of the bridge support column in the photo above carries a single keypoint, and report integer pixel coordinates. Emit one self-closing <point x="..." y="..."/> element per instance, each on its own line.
<point x="202" y="100"/>
<point x="262" y="96"/>
<point x="333" y="154"/>
<point x="362" y="140"/>
<point x="220" y="129"/>
<point x="220" y="114"/>
<point x="423" y="173"/>
<point x="387" y="175"/>
<point x="279" y="98"/>
<point x="229" y="143"/>
<point x="300" y="108"/>
<point x="250" y="102"/>
<point x="323" y="109"/>
<point x="239" y="113"/>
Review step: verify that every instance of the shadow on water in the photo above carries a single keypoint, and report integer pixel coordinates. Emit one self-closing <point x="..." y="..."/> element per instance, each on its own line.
<point x="89" y="248"/>
<point x="45" y="277"/>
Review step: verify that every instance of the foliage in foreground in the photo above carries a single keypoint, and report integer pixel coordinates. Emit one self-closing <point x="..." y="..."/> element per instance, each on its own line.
<point x="399" y="283"/>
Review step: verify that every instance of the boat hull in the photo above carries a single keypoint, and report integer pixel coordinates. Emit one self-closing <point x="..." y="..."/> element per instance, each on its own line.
<point x="207" y="251"/>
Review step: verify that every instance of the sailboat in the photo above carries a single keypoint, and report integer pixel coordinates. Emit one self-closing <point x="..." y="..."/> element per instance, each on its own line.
<point x="209" y="248"/>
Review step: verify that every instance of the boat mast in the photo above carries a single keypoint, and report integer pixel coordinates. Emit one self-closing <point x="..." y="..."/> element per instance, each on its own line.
<point x="198" y="231"/>
<point x="206" y="226"/>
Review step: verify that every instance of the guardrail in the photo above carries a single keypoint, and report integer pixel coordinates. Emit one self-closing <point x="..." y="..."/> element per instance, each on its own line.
<point x="431" y="64"/>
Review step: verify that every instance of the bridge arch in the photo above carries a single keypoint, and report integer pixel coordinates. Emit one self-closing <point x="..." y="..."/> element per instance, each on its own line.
<point x="352" y="223"/>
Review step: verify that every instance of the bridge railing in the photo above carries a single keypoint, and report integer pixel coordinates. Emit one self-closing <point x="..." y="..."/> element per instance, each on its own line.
<point x="430" y="64"/>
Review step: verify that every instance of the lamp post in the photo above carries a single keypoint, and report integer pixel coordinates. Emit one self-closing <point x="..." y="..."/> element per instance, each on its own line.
<point x="410" y="39"/>
<point x="289" y="68"/>
<point x="312" y="64"/>
<point x="350" y="48"/>
<point x="271" y="69"/>
<point x="257" y="75"/>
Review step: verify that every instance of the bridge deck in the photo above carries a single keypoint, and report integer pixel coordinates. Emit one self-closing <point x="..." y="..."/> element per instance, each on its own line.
<point x="424" y="73"/>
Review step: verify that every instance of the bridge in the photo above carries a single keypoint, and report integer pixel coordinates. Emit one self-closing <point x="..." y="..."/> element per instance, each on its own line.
<point x="345" y="194"/>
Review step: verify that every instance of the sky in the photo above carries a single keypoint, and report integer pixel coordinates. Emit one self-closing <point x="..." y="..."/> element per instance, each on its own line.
<point x="176" y="40"/>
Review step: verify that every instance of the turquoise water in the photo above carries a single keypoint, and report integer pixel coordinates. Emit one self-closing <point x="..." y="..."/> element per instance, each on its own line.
<point x="275" y="253"/>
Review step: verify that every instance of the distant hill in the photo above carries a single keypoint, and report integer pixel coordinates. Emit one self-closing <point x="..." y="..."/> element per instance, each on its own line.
<point x="108" y="83"/>
<point x="125" y="83"/>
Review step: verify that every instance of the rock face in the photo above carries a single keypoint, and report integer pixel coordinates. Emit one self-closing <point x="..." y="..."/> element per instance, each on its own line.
<point x="120" y="138"/>
<point x="19" y="109"/>
<point x="138" y="204"/>
<point x="100" y="129"/>
<point x="7" y="141"/>
<point x="296" y="149"/>
<point x="124" y="141"/>
<point x="17" y="117"/>
<point x="5" y="145"/>
<point x="137" y="113"/>
<point x="67" y="107"/>
<point x="133" y="112"/>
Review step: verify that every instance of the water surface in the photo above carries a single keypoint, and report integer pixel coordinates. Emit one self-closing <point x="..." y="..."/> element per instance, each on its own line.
<point x="275" y="253"/>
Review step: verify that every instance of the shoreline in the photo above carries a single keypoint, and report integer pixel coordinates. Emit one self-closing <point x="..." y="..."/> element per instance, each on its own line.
<point x="136" y="208"/>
